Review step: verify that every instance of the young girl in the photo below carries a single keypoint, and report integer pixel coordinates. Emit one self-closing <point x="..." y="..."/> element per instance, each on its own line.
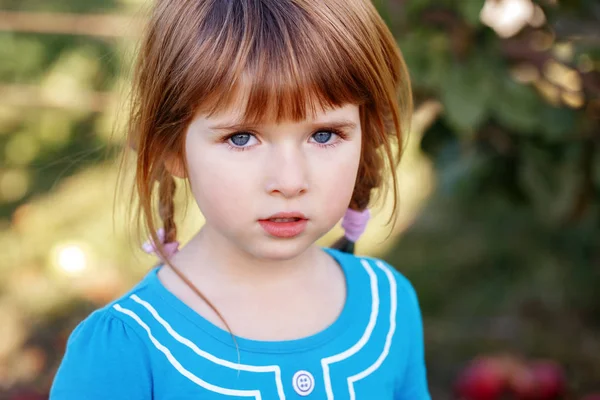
<point x="282" y="116"/>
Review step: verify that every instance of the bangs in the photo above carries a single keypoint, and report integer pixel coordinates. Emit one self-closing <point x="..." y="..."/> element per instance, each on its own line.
<point x="274" y="61"/>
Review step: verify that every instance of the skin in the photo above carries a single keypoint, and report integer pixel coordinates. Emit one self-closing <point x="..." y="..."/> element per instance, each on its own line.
<point x="236" y="181"/>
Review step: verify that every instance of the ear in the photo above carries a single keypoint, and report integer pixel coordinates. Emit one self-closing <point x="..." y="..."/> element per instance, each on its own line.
<point x="174" y="164"/>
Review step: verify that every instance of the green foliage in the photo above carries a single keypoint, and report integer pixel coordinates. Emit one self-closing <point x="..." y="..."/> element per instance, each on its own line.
<point x="511" y="233"/>
<point x="40" y="143"/>
<point x="469" y="10"/>
<point x="70" y="6"/>
<point x="467" y="92"/>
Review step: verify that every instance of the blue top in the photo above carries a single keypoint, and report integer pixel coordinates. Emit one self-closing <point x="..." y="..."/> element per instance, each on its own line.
<point x="148" y="344"/>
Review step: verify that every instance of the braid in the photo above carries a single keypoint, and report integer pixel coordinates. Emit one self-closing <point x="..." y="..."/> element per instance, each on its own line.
<point x="359" y="202"/>
<point x="344" y="244"/>
<point x="166" y="211"/>
<point x="368" y="178"/>
<point x="166" y="206"/>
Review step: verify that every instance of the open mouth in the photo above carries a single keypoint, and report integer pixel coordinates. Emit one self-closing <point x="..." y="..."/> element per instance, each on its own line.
<point x="284" y="226"/>
<point x="284" y="219"/>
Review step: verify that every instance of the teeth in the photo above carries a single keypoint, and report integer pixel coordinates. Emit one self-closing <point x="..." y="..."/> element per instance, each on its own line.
<point x="284" y="219"/>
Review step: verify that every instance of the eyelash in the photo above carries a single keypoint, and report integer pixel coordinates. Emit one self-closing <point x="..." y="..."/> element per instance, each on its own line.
<point x="340" y="134"/>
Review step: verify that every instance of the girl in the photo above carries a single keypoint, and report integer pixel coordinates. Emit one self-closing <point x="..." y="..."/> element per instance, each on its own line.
<point x="280" y="114"/>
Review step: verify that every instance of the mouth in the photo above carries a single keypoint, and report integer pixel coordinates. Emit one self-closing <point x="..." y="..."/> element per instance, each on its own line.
<point x="285" y="217"/>
<point x="284" y="225"/>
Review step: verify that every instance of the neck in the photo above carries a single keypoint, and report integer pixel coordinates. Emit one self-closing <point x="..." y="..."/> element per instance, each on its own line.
<point x="211" y="256"/>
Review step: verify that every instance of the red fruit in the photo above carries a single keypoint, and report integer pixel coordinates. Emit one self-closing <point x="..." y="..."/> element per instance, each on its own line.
<point x="549" y="378"/>
<point x="483" y="379"/>
<point x="522" y="382"/>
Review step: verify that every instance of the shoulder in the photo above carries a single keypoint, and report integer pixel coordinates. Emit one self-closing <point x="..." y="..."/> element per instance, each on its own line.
<point x="123" y="310"/>
<point x="391" y="292"/>
<point x="107" y="321"/>
<point x="402" y="295"/>
<point x="103" y="324"/>
<point x="105" y="357"/>
<point x="405" y="291"/>
<point x="408" y="343"/>
<point x="390" y="281"/>
<point x="117" y="320"/>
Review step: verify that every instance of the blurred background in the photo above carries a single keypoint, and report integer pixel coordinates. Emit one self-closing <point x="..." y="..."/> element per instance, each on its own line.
<point x="499" y="214"/>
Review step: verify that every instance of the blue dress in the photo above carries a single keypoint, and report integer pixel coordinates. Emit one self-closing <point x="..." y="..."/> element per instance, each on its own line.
<point x="148" y="344"/>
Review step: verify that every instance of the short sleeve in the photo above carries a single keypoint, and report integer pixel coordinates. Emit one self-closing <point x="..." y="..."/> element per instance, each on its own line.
<point x="413" y="385"/>
<point x="104" y="359"/>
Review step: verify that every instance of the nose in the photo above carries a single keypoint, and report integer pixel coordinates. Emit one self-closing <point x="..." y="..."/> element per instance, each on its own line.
<point x="287" y="172"/>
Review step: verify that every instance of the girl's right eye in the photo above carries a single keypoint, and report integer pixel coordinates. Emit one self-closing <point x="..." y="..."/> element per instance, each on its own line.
<point x="239" y="141"/>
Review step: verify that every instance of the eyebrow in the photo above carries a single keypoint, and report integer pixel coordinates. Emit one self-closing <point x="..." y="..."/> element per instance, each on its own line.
<point x="335" y="124"/>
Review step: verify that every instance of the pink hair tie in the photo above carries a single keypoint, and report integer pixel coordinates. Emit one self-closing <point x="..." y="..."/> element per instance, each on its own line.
<point x="170" y="248"/>
<point x="355" y="223"/>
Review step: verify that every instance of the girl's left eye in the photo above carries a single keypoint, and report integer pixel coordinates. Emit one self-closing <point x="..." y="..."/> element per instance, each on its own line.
<point x="323" y="137"/>
<point x="241" y="140"/>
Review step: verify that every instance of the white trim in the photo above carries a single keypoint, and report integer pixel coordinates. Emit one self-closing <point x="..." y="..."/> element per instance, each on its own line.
<point x="325" y="362"/>
<point x="225" y="363"/>
<point x="390" y="335"/>
<point x="217" y="389"/>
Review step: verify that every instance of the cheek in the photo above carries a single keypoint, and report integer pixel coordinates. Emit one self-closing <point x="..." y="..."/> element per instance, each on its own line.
<point x="337" y="180"/>
<point x="218" y="185"/>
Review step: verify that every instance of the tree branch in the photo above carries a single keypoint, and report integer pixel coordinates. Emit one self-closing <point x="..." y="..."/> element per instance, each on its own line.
<point x="34" y="96"/>
<point x="70" y="24"/>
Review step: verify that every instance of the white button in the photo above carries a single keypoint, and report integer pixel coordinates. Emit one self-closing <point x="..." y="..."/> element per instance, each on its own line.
<point x="303" y="382"/>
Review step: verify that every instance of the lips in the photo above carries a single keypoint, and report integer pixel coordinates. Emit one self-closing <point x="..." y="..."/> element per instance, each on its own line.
<point x="284" y="224"/>
<point x="287" y="216"/>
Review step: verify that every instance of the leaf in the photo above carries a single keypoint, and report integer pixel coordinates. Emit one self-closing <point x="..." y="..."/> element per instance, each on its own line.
<point x="459" y="176"/>
<point x="436" y="138"/>
<point x="470" y="10"/>
<point x="22" y="57"/>
<point x="550" y="182"/>
<point x="414" y="7"/>
<point x="517" y="106"/>
<point x="557" y="122"/>
<point x="466" y="93"/>
<point x="426" y="55"/>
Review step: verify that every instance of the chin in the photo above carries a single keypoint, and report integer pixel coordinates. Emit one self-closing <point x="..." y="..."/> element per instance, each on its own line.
<point x="273" y="249"/>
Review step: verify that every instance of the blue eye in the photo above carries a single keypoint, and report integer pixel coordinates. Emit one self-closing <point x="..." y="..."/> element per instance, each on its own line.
<point x="322" y="137"/>
<point x="240" y="139"/>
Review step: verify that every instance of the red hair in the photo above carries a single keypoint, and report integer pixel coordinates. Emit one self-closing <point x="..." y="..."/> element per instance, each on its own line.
<point x="292" y="57"/>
